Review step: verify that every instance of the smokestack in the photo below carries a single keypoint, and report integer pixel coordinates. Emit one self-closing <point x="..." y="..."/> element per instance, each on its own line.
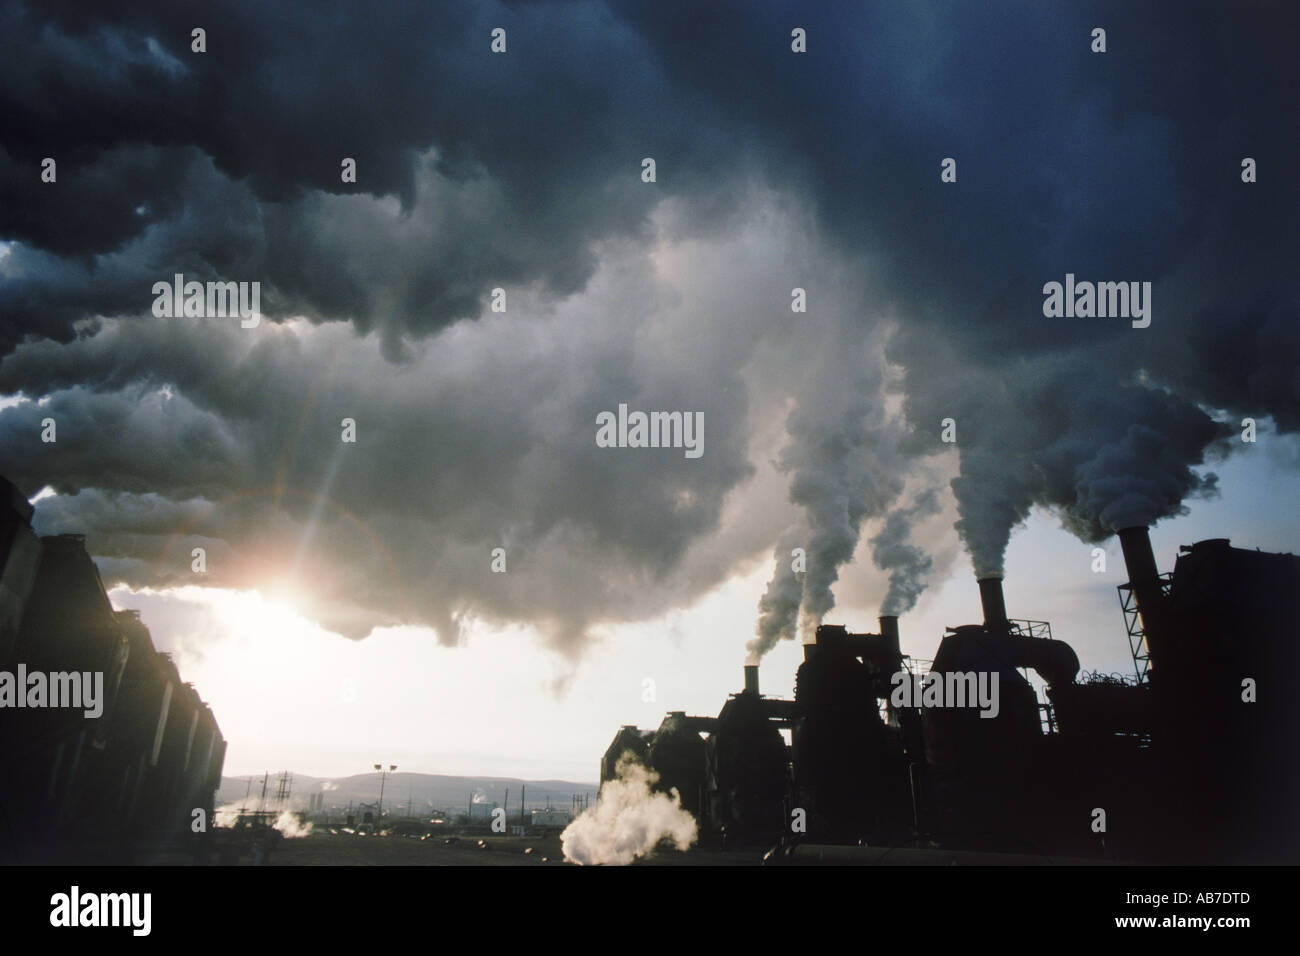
<point x="809" y="651"/>
<point x="995" y="608"/>
<point x="1143" y="577"/>
<point x="889" y="631"/>
<point x="1140" y="560"/>
<point x="751" y="679"/>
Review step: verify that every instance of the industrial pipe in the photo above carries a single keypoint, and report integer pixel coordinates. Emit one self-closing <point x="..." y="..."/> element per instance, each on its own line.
<point x="995" y="607"/>
<point x="1140" y="560"/>
<point x="889" y="631"/>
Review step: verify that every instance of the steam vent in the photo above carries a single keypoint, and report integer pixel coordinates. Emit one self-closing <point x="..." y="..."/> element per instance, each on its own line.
<point x="128" y="781"/>
<point x="852" y="768"/>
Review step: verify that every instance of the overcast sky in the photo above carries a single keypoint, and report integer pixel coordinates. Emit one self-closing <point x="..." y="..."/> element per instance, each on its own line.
<point x="349" y="612"/>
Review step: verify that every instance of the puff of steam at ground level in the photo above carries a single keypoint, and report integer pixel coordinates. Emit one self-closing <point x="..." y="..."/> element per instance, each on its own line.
<point x="288" y="825"/>
<point x="628" y="820"/>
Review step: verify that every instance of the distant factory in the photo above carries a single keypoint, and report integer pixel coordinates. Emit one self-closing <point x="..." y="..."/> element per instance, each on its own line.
<point x="1191" y="760"/>
<point x="109" y="787"/>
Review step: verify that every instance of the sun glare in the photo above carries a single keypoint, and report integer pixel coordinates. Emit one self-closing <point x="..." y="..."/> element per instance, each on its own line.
<point x="260" y="613"/>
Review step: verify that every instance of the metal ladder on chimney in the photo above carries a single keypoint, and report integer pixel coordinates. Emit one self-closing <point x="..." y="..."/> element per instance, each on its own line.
<point x="1137" y="637"/>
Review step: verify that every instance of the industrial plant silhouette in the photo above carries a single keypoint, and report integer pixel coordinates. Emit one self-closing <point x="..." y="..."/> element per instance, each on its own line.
<point x="1191" y="760"/>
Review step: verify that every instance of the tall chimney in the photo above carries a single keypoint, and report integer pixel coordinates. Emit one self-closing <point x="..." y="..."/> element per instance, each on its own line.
<point x="889" y="631"/>
<point x="1143" y="577"/>
<point x="751" y="679"/>
<point x="995" y="608"/>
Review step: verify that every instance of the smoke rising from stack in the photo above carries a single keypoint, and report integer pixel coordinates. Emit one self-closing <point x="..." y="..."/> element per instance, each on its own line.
<point x="628" y="820"/>
<point x="1136" y="473"/>
<point x="990" y="502"/>
<point x="844" y="459"/>
<point x="1099" y="458"/>
<point x="778" y="608"/>
<point x="907" y="564"/>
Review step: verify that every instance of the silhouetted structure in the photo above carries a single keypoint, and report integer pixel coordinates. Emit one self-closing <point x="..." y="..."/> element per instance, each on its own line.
<point x="1191" y="761"/>
<point x="110" y="785"/>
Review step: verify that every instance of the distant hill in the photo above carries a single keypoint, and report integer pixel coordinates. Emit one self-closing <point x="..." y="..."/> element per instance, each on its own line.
<point x="424" y="792"/>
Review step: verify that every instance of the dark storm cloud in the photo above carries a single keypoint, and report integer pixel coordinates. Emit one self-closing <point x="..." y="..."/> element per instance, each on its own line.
<point x="540" y="148"/>
<point x="478" y="170"/>
<point x="1116" y="164"/>
<point x="175" y="434"/>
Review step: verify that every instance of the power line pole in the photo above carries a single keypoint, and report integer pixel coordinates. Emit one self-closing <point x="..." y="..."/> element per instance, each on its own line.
<point x="383" y="776"/>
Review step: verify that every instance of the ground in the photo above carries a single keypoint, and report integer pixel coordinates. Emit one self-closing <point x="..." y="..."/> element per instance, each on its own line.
<point x="325" y="849"/>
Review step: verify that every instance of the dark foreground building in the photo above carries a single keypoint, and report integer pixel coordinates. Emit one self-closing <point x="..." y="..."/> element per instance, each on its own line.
<point x="111" y="787"/>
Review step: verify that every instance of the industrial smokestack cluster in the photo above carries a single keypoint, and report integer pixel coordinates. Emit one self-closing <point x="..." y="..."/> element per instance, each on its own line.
<point x="983" y="758"/>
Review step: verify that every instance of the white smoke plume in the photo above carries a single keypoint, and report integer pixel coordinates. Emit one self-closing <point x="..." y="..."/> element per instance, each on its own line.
<point x="991" y="500"/>
<point x="628" y="820"/>
<point x="908" y="565"/>
<point x="226" y="816"/>
<point x="287" y="823"/>
<point x="846" y="464"/>
<point x="778" y="608"/>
